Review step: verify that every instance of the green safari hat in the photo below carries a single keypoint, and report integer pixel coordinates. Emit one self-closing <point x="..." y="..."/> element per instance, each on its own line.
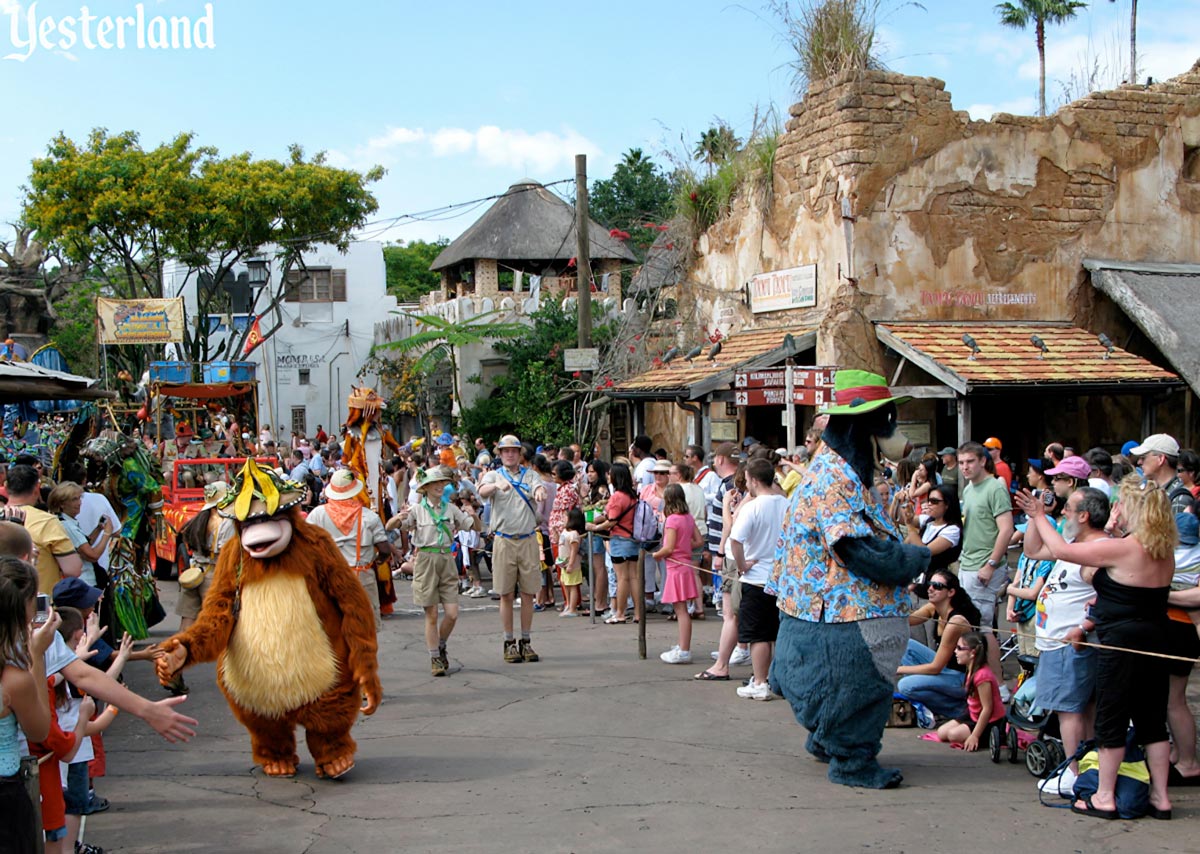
<point x="856" y="392"/>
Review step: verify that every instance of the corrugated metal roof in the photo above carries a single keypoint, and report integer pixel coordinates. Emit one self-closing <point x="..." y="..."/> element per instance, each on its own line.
<point x="1007" y="357"/>
<point x="751" y="348"/>
<point x="1162" y="300"/>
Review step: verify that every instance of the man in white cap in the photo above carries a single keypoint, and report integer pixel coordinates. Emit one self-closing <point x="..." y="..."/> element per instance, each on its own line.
<point x="357" y="530"/>
<point x="1160" y="463"/>
<point x="514" y="492"/>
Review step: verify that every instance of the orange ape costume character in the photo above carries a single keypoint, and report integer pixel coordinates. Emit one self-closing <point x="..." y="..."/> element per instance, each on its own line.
<point x="291" y="628"/>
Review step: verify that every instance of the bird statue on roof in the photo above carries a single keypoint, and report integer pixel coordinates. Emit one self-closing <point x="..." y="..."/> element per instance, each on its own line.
<point x="693" y="354"/>
<point x="290" y="627"/>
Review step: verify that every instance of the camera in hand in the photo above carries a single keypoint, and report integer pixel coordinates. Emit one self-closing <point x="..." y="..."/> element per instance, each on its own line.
<point x="1046" y="495"/>
<point x="43" y="609"/>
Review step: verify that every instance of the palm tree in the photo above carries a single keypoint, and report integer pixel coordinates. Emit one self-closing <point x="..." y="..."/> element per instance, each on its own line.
<point x="716" y="145"/>
<point x="1133" y="74"/>
<point x="439" y="340"/>
<point x="1040" y="12"/>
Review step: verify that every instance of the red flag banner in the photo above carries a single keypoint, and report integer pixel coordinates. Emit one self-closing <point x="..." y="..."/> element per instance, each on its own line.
<point x="253" y="339"/>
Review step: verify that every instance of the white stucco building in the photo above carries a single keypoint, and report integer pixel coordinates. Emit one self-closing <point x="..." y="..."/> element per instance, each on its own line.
<point x="306" y="368"/>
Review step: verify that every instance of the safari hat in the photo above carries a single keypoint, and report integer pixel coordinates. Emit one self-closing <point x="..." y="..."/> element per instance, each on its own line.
<point x="508" y="440"/>
<point x="214" y="494"/>
<point x="857" y="392"/>
<point x="661" y="467"/>
<point x="343" y="486"/>
<point x="259" y="492"/>
<point x="437" y="474"/>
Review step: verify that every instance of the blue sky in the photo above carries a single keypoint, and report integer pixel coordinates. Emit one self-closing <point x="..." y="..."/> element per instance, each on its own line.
<point x="460" y="100"/>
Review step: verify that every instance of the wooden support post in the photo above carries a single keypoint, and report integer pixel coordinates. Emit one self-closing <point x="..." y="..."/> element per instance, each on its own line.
<point x="964" y="420"/>
<point x="583" y="256"/>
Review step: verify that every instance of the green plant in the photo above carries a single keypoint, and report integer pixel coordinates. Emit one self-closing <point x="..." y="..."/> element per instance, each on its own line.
<point x="829" y="37"/>
<point x="1021" y="14"/>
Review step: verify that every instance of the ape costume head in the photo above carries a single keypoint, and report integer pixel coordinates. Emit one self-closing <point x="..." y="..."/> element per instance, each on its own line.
<point x="291" y="628"/>
<point x="840" y="578"/>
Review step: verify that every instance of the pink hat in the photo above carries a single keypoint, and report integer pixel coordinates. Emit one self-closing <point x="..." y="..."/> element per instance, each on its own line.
<point x="1076" y="467"/>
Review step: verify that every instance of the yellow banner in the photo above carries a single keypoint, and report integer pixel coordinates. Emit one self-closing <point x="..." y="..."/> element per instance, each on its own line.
<point x="140" y="321"/>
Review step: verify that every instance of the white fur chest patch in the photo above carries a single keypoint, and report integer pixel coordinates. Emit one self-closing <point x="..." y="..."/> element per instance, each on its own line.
<point x="278" y="657"/>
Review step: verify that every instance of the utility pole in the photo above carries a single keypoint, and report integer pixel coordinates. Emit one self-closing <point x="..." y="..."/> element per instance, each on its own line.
<point x="583" y="258"/>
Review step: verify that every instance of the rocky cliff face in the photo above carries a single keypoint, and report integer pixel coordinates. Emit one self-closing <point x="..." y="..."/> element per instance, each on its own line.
<point x="913" y="211"/>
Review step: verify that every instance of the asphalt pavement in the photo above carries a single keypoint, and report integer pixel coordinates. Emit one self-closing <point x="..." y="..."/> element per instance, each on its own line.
<point x="591" y="749"/>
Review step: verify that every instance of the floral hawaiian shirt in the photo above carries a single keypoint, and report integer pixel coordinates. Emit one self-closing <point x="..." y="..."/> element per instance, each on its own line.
<point x="809" y="579"/>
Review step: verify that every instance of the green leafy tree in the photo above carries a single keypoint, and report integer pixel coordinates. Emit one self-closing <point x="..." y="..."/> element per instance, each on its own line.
<point x="74" y="332"/>
<point x="439" y="340"/>
<point x="529" y="399"/>
<point x="111" y="206"/>
<point x="637" y="193"/>
<point x="1039" y="13"/>
<point x="408" y="275"/>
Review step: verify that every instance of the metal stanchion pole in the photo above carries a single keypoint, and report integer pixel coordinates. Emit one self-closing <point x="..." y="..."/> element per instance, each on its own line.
<point x="639" y="603"/>
<point x="592" y="575"/>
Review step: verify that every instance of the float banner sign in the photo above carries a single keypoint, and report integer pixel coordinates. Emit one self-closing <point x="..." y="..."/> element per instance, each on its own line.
<point x="140" y="321"/>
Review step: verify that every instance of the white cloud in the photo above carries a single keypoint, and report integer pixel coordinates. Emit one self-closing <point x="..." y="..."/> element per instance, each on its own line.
<point x="1026" y="106"/>
<point x="513" y="149"/>
<point x="9" y="7"/>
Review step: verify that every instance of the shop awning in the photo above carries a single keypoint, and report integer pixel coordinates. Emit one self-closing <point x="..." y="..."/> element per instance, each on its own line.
<point x="752" y="348"/>
<point x="1008" y="360"/>
<point x="23" y="381"/>
<point x="1163" y="301"/>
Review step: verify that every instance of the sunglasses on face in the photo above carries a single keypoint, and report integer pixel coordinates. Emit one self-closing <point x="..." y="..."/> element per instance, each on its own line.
<point x="1063" y="477"/>
<point x="934" y="501"/>
<point x="961" y="648"/>
<point x="938" y="585"/>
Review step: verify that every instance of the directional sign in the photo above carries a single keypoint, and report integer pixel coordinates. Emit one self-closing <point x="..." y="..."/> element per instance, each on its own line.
<point x="778" y="397"/>
<point x="777" y="378"/>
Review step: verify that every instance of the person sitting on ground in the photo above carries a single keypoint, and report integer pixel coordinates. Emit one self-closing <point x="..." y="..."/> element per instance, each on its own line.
<point x="984" y="709"/>
<point x="935" y="679"/>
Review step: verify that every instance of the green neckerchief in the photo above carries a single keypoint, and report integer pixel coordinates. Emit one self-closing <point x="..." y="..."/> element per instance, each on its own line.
<point x="439" y="521"/>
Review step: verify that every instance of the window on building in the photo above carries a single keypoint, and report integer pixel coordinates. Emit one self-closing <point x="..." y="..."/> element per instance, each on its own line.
<point x="304" y="376"/>
<point x="299" y="422"/>
<point x="316" y="284"/>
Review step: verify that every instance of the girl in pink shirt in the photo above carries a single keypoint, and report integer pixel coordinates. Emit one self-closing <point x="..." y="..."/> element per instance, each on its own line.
<point x="680" y="537"/>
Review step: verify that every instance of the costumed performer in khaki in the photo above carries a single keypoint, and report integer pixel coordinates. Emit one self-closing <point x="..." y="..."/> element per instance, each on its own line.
<point x="514" y="491"/>
<point x="362" y="453"/>
<point x="291" y="629"/>
<point x="434" y="521"/>
<point x="357" y="531"/>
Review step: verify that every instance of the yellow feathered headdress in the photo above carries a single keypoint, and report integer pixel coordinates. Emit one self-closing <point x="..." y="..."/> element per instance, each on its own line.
<point x="259" y="492"/>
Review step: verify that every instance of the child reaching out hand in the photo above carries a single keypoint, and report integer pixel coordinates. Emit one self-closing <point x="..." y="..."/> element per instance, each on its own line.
<point x="984" y="708"/>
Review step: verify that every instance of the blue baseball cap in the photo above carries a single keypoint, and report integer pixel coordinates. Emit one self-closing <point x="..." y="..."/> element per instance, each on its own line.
<point x="75" y="593"/>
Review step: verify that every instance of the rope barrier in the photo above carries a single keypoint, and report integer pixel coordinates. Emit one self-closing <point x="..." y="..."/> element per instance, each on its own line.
<point x="1109" y="647"/>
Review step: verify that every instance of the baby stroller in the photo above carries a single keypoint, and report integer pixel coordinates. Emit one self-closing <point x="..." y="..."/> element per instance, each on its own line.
<point x="1026" y="727"/>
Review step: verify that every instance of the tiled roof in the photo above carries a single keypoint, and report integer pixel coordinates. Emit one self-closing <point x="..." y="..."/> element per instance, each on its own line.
<point x="1007" y="356"/>
<point x="751" y="348"/>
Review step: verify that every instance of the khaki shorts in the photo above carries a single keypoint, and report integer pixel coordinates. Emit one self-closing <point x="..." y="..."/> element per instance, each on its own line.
<point x="435" y="579"/>
<point x="366" y="577"/>
<point x="191" y="601"/>
<point x="731" y="593"/>
<point x="516" y="560"/>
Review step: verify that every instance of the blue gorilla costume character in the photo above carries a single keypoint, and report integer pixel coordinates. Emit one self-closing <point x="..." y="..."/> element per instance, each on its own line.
<point x="841" y="576"/>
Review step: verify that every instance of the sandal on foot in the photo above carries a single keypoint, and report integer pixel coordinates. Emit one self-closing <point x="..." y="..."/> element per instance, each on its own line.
<point x="672" y="618"/>
<point x="699" y="615"/>
<point x="1094" y="812"/>
<point x="709" y="676"/>
<point x="616" y="621"/>
<point x="1154" y="812"/>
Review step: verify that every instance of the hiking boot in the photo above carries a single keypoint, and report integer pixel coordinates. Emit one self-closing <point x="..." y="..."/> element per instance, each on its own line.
<point x="437" y="666"/>
<point x="512" y="652"/>
<point x="527" y="653"/>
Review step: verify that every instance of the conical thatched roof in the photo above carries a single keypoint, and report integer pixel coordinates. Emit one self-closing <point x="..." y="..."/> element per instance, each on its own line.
<point x="529" y="223"/>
